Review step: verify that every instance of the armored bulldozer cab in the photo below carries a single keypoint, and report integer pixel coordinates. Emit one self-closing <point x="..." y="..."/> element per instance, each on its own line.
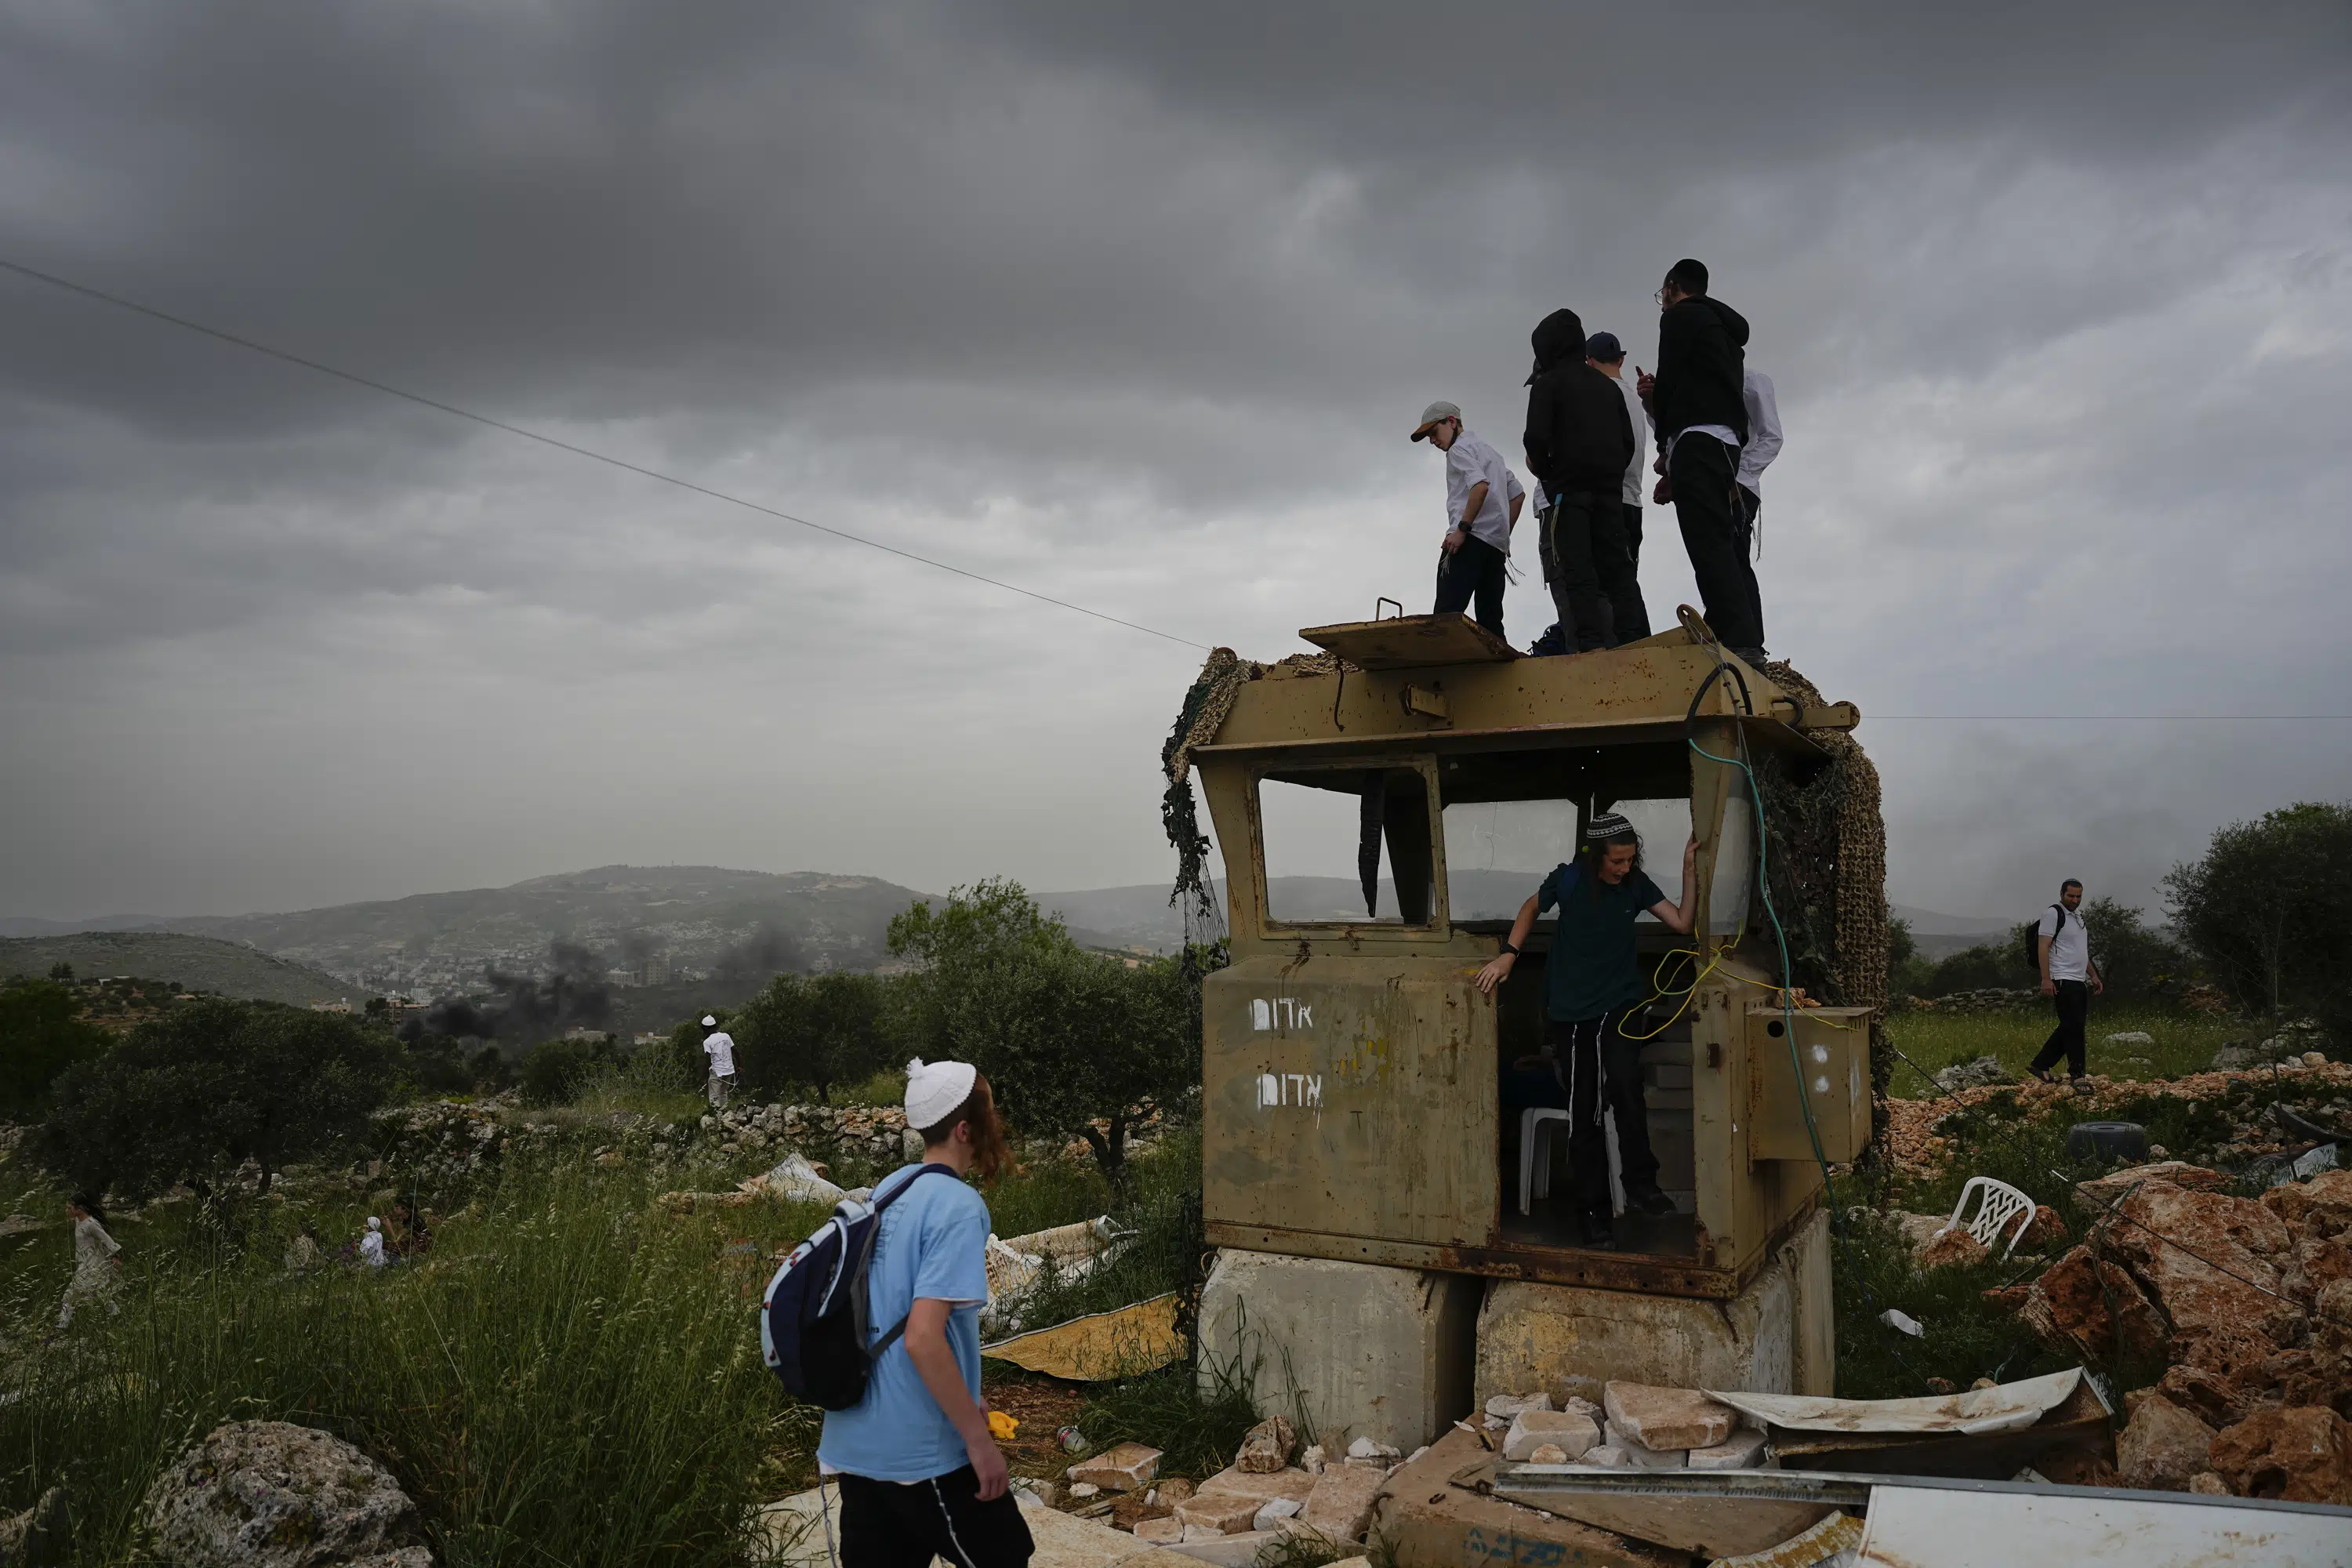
<point x="1381" y="817"/>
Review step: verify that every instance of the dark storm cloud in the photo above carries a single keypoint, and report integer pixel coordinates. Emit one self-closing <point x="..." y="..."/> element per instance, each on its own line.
<point x="1129" y="304"/>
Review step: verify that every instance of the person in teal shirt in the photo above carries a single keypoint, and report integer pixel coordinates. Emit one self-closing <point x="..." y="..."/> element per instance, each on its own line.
<point x="1592" y="979"/>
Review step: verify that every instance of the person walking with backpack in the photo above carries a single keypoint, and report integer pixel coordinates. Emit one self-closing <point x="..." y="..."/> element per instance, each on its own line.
<point x="2062" y="951"/>
<point x="1592" y="980"/>
<point x="919" y="1472"/>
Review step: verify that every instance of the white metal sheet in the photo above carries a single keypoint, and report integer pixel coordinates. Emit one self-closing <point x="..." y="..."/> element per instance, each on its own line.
<point x="2002" y="1408"/>
<point x="1922" y="1527"/>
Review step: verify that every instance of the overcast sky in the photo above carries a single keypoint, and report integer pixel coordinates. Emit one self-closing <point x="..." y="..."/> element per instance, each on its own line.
<point x="1134" y="306"/>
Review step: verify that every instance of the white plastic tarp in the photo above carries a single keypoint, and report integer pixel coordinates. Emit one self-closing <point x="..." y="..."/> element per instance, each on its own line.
<point x="1927" y="1527"/>
<point x="2002" y="1408"/>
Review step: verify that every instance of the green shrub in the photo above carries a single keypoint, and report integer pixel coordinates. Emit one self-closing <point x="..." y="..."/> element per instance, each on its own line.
<point x="554" y="1071"/>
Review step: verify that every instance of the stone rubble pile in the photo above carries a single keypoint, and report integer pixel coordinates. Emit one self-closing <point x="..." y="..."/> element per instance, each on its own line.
<point x="269" y="1494"/>
<point x="876" y="1132"/>
<point x="1977" y="1074"/>
<point x="2295" y="1042"/>
<point x="1984" y="999"/>
<point x="2250" y="1304"/>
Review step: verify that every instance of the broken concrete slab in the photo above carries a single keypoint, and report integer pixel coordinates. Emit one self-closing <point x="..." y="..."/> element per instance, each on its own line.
<point x="1429" y="1522"/>
<point x="1570" y="1430"/>
<point x="1374" y="1351"/>
<point x="1743" y="1450"/>
<point x="1573" y="1340"/>
<point x="1270" y="1516"/>
<point x="1641" y="1456"/>
<point x="1160" y="1531"/>
<point x="1340" y="1505"/>
<point x="1503" y="1406"/>
<point x="1265" y="1487"/>
<point x="1666" y="1418"/>
<point x="1128" y="1468"/>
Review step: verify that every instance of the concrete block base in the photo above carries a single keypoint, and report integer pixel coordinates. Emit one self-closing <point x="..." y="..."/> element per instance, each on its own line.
<point x="1375" y="1352"/>
<point x="1569" y="1340"/>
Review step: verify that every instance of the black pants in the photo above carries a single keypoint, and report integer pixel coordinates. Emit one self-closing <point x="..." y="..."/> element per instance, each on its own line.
<point x="1707" y="506"/>
<point x="1599" y="1069"/>
<point x="1635" y="626"/>
<point x="1592" y="583"/>
<point x="2074" y="1002"/>
<point x="884" y="1524"/>
<point x="1476" y="568"/>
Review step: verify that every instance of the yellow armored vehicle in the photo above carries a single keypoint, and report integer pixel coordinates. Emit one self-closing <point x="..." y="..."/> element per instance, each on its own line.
<point x="1381" y="811"/>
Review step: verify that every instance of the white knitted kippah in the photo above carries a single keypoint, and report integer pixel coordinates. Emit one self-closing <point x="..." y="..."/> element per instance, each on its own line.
<point x="934" y="1089"/>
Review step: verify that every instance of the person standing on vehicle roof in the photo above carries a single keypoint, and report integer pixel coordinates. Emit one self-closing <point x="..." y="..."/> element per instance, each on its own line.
<point x="1592" y="979"/>
<point x="1604" y="353"/>
<point x="2063" y="944"/>
<point x="1483" y="497"/>
<point x="1696" y="395"/>
<point x="1763" y="445"/>
<point x="1579" y="440"/>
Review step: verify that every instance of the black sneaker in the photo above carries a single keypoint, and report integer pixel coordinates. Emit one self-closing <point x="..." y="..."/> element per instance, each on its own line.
<point x="1652" y="1202"/>
<point x="1597" y="1235"/>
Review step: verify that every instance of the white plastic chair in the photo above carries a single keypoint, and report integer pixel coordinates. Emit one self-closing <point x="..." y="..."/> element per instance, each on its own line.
<point x="2001" y="1204"/>
<point x="1535" y="1124"/>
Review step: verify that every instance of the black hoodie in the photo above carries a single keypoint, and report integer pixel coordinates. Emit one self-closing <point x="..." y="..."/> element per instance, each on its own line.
<point x="1701" y="354"/>
<point x="1579" y="438"/>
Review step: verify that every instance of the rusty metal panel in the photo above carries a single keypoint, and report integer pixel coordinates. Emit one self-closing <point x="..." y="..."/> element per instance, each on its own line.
<point x="1834" y="1049"/>
<point x="1653" y="1276"/>
<point x="1355" y="1096"/>
<point x="1412" y="642"/>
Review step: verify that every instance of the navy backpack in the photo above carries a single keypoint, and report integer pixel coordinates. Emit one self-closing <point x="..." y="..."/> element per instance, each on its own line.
<point x="816" y="1316"/>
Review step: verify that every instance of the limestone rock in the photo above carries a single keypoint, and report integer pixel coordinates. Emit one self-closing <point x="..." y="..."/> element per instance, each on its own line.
<point x="1312" y="1461"/>
<point x="2044" y="1231"/>
<point x="2180" y="1242"/>
<point x="2216" y="1400"/>
<point x="2209" y="1483"/>
<point x="1978" y="1074"/>
<point x="1608" y="1456"/>
<point x="1547" y="1454"/>
<point x="1218" y="1513"/>
<point x="2095" y="1195"/>
<point x="1503" y="1406"/>
<point x="38" y="1537"/>
<point x="1174" y="1491"/>
<point x="2296" y="1454"/>
<point x="2318" y="1262"/>
<point x="1566" y="1429"/>
<point x="1664" y="1419"/>
<point x="1954" y="1246"/>
<point x="1273" y="1511"/>
<point x="1641" y="1456"/>
<point x="1365" y="1451"/>
<point x="2069" y="1307"/>
<point x="1743" y="1450"/>
<point x="1128" y="1468"/>
<point x="269" y="1494"/>
<point x="1267" y="1447"/>
<point x="1340" y="1505"/>
<point x="1082" y="1490"/>
<point x="2162" y="1445"/>
<point x="1160" y="1531"/>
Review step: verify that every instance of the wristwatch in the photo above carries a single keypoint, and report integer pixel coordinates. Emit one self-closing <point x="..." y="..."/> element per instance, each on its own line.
<point x="1509" y="949"/>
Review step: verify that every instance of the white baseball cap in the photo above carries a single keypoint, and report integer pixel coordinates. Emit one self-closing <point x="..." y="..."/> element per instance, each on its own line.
<point x="1441" y="410"/>
<point x="934" y="1089"/>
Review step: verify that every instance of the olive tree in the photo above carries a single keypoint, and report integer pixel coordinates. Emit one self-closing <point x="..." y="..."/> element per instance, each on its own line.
<point x="818" y="1031"/>
<point x="193" y="1095"/>
<point x="2269" y="909"/>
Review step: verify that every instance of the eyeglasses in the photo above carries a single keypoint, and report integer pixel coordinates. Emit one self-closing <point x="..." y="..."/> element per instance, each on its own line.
<point x="1660" y="296"/>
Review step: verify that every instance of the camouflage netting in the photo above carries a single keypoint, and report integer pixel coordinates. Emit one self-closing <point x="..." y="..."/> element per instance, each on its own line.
<point x="1197" y="724"/>
<point x="1826" y="857"/>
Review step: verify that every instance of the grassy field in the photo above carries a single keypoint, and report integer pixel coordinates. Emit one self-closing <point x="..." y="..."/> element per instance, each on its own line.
<point x="571" y="1375"/>
<point x="2184" y="1041"/>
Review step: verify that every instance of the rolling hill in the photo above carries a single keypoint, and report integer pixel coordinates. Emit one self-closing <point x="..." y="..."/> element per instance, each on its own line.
<point x="192" y="962"/>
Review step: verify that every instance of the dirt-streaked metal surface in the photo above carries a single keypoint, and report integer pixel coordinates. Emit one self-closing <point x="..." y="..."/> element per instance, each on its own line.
<point x="1942" y="1527"/>
<point x="2001" y="1408"/>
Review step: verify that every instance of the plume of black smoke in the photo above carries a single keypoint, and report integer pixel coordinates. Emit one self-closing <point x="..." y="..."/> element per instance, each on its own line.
<point x="638" y="945"/>
<point x="769" y="949"/>
<point x="571" y="993"/>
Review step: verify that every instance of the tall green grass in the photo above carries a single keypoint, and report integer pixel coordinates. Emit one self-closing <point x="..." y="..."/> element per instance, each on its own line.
<point x="568" y="1378"/>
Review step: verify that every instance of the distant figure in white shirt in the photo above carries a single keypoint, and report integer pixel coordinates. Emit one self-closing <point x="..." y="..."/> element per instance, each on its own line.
<point x="720" y="1046"/>
<point x="1763" y="445"/>
<point x="371" y="1244"/>
<point x="1604" y="353"/>
<point x="2069" y="978"/>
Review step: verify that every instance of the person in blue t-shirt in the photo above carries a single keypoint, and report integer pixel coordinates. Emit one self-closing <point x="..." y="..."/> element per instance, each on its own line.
<point x="1592" y="979"/>
<point x="919" y="1472"/>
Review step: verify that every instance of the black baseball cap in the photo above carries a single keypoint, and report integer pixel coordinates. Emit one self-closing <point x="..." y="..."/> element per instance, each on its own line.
<point x="1603" y="346"/>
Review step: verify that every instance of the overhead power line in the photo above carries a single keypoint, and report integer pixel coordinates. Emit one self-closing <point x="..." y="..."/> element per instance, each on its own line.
<point x="153" y="313"/>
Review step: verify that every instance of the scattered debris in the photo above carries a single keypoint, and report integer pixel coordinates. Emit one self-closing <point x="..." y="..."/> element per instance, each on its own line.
<point x="1267" y="1447"/>
<point x="1978" y="1074"/>
<point x="1117" y="1343"/>
<point x="1896" y="1319"/>
<point x="1834" y="1542"/>
<point x="1128" y="1468"/>
<point x="2163" y="1447"/>
<point x="1569" y="1431"/>
<point x="1665" y="1418"/>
